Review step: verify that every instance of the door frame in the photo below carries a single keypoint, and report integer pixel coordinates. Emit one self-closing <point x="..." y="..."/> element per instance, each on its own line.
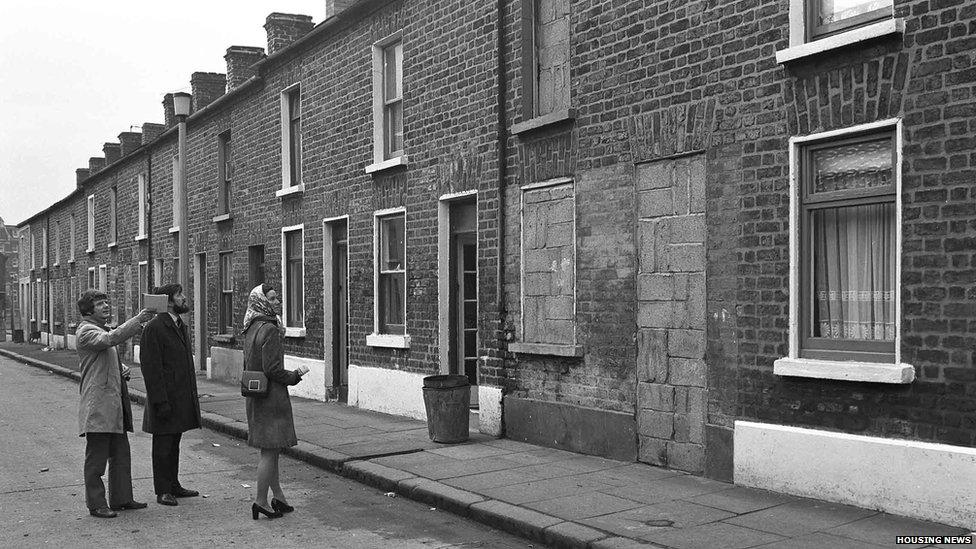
<point x="328" y="297"/>
<point x="444" y="204"/>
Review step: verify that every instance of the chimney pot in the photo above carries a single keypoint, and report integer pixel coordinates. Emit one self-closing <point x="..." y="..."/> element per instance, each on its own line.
<point x="81" y="174"/>
<point x="130" y="141"/>
<point x="239" y="61"/>
<point x="332" y="7"/>
<point x="151" y="131"/>
<point x="284" y="29"/>
<point x="206" y="87"/>
<point x="95" y="165"/>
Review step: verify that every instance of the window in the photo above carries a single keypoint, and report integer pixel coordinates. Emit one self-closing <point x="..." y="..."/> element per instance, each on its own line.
<point x="103" y="278"/>
<point x="826" y="17"/>
<point x="71" y="243"/>
<point x="143" y="205"/>
<point x="113" y="216"/>
<point x="91" y="223"/>
<point x="255" y="266"/>
<point x="226" y="311"/>
<point x="223" y="173"/>
<point x="847" y="247"/>
<point x="73" y="294"/>
<point x="43" y="247"/>
<point x="42" y="299"/>
<point x="545" y="53"/>
<point x="143" y="282"/>
<point x="391" y="275"/>
<point x="176" y="194"/>
<point x="91" y="279"/>
<point x="293" y="301"/>
<point x="30" y="248"/>
<point x="57" y="243"/>
<point x="388" y="146"/>
<point x="158" y="272"/>
<point x="291" y="138"/>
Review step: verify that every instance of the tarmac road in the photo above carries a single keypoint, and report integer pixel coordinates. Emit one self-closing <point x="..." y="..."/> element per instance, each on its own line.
<point x="42" y="501"/>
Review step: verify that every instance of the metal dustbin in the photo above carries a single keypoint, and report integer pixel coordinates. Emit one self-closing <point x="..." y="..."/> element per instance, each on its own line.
<point x="18" y="336"/>
<point x="447" y="399"/>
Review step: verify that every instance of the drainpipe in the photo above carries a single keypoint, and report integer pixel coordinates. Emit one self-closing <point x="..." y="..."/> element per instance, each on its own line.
<point x="502" y="163"/>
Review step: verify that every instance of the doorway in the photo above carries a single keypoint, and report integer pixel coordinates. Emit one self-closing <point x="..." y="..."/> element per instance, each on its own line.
<point x="200" y="311"/>
<point x="463" y="293"/>
<point x="335" y="271"/>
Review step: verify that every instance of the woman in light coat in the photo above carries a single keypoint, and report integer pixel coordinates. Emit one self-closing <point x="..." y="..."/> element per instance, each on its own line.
<point x="270" y="425"/>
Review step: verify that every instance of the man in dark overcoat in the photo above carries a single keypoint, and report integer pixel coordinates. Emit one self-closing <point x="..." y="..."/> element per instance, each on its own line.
<point x="172" y="405"/>
<point x="105" y="413"/>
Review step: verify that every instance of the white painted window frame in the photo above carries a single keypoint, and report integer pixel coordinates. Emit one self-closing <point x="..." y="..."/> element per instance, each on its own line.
<point x="793" y="364"/>
<point x="379" y="163"/>
<point x="143" y="203"/>
<point x="30" y="246"/>
<point x="113" y="220"/>
<point x="285" y="102"/>
<point x="91" y="223"/>
<point x="377" y="339"/>
<point x="801" y="48"/>
<point x="292" y="331"/>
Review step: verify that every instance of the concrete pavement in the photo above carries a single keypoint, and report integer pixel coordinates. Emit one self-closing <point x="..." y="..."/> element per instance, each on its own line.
<point x="556" y="497"/>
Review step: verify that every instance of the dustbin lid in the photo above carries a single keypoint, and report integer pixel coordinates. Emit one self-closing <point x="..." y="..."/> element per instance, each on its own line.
<point x="445" y="381"/>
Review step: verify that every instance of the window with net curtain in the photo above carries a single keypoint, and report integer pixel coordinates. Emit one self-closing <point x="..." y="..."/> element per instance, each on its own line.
<point x="827" y="17"/>
<point x="294" y="290"/>
<point x="392" y="275"/>
<point x="848" y="249"/>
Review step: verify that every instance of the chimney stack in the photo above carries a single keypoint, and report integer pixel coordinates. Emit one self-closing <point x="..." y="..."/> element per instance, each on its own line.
<point x="151" y="131"/>
<point x="169" y="115"/>
<point x="95" y="165"/>
<point x="205" y="88"/>
<point x="130" y="141"/>
<point x="333" y="7"/>
<point x="239" y="60"/>
<point x="284" y="29"/>
<point x="112" y="152"/>
<point x="81" y="174"/>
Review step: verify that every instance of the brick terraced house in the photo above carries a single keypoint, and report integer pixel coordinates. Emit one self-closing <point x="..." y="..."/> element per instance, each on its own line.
<point x="736" y="238"/>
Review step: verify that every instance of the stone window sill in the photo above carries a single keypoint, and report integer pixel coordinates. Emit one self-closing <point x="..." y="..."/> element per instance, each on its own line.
<point x="222" y="217"/>
<point x="141" y="237"/>
<point x="90" y="251"/>
<point x="543" y="121"/>
<point x="387" y="164"/>
<point x="224" y="338"/>
<point x="293" y="190"/>
<point x="393" y="341"/>
<point x="853" y="36"/>
<point x="553" y="349"/>
<point x="175" y="229"/>
<point x="874" y="372"/>
<point x="294" y="332"/>
<point x="112" y="245"/>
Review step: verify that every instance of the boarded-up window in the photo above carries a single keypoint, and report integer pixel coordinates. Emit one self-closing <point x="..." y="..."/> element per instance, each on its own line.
<point x="551" y="49"/>
<point x="549" y="265"/>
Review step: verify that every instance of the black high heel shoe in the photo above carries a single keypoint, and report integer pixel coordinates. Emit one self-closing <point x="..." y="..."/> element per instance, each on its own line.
<point x="255" y="509"/>
<point x="280" y="506"/>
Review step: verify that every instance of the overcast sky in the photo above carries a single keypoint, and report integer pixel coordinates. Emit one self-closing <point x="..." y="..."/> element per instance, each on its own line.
<point x="74" y="75"/>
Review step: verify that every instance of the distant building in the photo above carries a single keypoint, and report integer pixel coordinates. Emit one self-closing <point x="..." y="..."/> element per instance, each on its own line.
<point x="9" y="295"/>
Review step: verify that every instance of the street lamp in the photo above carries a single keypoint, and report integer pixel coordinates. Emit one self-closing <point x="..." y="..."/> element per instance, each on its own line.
<point x="181" y="108"/>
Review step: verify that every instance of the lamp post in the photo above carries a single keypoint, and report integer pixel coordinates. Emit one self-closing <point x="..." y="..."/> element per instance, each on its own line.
<point x="181" y="108"/>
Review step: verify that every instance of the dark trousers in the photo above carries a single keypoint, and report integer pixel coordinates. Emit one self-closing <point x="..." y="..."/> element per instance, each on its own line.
<point x="166" y="462"/>
<point x="113" y="449"/>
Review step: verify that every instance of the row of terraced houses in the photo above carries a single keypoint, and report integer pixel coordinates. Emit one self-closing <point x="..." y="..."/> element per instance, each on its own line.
<point x="732" y="238"/>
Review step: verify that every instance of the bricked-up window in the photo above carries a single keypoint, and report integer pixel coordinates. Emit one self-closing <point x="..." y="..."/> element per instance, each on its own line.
<point x="55" y="238"/>
<point x="143" y="204"/>
<point x="91" y="223"/>
<point x="848" y="249"/>
<point x="393" y="100"/>
<point x="113" y="216"/>
<point x="545" y="52"/>
<point x="391" y="274"/>
<point x="226" y="307"/>
<point x="293" y="288"/>
<point x="43" y="247"/>
<point x="143" y="282"/>
<point x="826" y="17"/>
<point x="71" y="240"/>
<point x="158" y="272"/>
<point x="223" y="173"/>
<point x="291" y="137"/>
<point x="103" y="278"/>
<point x="255" y="267"/>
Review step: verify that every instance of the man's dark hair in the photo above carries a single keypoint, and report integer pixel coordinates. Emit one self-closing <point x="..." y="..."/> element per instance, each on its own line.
<point x="168" y="289"/>
<point x="86" y="303"/>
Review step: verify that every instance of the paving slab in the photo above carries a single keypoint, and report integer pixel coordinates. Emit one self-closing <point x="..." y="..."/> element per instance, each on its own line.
<point x="513" y="445"/>
<point x="470" y="451"/>
<point x="669" y="488"/>
<point x="458" y="468"/>
<point x="883" y="527"/>
<point x="384" y="478"/>
<point x="377" y="447"/>
<point x="571" y="534"/>
<point x="622" y="543"/>
<point x="439" y="495"/>
<point x="716" y="534"/>
<point x="651" y="519"/>
<point x="539" y="490"/>
<point x="822" y="540"/>
<point x="514" y="519"/>
<point x="581" y="506"/>
<point x="549" y="470"/>
<point x="493" y="479"/>
<point x="800" y="517"/>
<point x="741" y="499"/>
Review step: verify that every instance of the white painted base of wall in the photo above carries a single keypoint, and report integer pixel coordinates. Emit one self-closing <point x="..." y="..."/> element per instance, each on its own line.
<point x="917" y="479"/>
<point x="387" y="391"/>
<point x="56" y="342"/>
<point x="46" y="338"/>
<point x="490" y="410"/>
<point x="135" y="355"/>
<point x="73" y="342"/>
<point x="312" y="384"/>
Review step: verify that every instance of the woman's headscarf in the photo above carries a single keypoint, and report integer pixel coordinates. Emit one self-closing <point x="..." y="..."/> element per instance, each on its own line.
<point x="258" y="305"/>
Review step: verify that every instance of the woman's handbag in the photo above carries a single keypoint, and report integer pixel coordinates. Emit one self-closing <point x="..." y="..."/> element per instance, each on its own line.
<point x="254" y="384"/>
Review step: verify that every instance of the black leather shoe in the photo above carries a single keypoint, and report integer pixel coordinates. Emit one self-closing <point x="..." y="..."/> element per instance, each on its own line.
<point x="103" y="512"/>
<point x="281" y="506"/>
<point x="257" y="509"/>
<point x="166" y="499"/>
<point x="182" y="492"/>
<point x="129" y="506"/>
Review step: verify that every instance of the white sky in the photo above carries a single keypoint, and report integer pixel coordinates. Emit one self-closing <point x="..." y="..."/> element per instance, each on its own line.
<point x="74" y="75"/>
